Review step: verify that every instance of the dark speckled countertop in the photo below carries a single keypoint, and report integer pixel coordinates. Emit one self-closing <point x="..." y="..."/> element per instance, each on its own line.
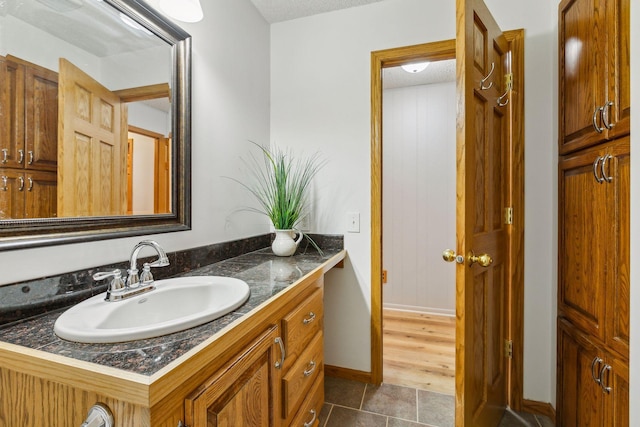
<point x="266" y="274"/>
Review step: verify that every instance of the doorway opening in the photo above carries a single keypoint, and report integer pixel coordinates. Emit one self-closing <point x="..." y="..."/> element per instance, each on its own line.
<point x="419" y="219"/>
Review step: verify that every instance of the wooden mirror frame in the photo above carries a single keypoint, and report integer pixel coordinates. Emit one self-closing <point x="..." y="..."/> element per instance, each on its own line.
<point x="30" y="233"/>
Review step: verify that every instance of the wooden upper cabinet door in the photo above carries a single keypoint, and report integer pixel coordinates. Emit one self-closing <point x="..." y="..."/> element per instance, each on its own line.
<point x="586" y="242"/>
<point x="41" y="118"/>
<point x="618" y="110"/>
<point x="618" y="292"/>
<point x="583" y="80"/>
<point x="12" y="117"/>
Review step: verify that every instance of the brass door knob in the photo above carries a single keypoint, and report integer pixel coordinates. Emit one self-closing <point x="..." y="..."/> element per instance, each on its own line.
<point x="484" y="260"/>
<point x="449" y="255"/>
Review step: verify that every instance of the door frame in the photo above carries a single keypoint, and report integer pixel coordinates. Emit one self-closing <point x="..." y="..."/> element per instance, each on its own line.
<point x="515" y="308"/>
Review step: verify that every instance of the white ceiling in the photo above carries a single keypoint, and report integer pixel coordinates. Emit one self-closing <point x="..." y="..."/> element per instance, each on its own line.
<point x="284" y="10"/>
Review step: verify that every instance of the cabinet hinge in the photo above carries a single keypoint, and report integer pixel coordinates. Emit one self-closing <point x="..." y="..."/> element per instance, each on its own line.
<point x="384" y="276"/>
<point x="508" y="349"/>
<point x="508" y="216"/>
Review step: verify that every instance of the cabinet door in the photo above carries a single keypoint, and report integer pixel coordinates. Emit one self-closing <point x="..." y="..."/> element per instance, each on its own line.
<point x="586" y="244"/>
<point x="582" y="85"/>
<point x="618" y="308"/>
<point x="12" y="187"/>
<point x="579" y="396"/>
<point x="617" y="399"/>
<point x="41" y="194"/>
<point x="618" y="24"/>
<point x="41" y="118"/>
<point x="244" y="393"/>
<point x="12" y="117"/>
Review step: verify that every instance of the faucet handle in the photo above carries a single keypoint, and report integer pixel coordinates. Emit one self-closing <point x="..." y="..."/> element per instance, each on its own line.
<point x="146" y="276"/>
<point x="116" y="284"/>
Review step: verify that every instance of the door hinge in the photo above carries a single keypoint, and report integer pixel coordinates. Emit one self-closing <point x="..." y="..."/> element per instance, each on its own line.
<point x="508" y="81"/>
<point x="384" y="276"/>
<point x="508" y="349"/>
<point x="508" y="216"/>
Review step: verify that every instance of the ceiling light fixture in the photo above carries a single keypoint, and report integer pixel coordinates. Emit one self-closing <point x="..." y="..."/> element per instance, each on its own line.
<point x="182" y="10"/>
<point x="133" y="24"/>
<point x="416" y="67"/>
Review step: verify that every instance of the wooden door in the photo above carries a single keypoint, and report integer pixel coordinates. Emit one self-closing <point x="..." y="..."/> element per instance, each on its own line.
<point x="162" y="176"/>
<point x="92" y="147"/>
<point x="41" y="118"/>
<point x="246" y="392"/>
<point x="583" y="68"/>
<point x="580" y="397"/>
<point x="12" y="117"/>
<point x="482" y="146"/>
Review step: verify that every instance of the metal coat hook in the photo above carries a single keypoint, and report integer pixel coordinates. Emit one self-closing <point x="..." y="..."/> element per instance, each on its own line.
<point x="484" y="79"/>
<point x="509" y="84"/>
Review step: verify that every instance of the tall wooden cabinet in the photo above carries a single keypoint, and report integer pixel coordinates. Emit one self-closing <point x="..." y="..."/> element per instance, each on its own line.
<point x="593" y="222"/>
<point x="28" y="139"/>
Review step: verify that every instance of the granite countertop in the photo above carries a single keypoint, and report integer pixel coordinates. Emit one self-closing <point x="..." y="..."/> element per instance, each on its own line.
<point x="266" y="275"/>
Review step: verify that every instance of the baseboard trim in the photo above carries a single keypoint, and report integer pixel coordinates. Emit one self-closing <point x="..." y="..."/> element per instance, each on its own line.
<point x="348" y="374"/>
<point x="540" y="408"/>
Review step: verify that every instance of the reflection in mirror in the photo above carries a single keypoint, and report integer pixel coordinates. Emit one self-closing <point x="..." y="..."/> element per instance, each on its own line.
<point x="91" y="95"/>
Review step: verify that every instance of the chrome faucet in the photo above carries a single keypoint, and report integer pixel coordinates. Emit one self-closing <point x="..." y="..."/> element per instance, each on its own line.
<point x="135" y="284"/>
<point x="133" y="279"/>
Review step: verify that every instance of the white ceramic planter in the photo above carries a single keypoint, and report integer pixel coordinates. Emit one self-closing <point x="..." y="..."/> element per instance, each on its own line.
<point x="284" y="243"/>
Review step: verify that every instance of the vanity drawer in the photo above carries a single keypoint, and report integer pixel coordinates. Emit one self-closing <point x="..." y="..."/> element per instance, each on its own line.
<point x="301" y="325"/>
<point x="309" y="413"/>
<point x="299" y="379"/>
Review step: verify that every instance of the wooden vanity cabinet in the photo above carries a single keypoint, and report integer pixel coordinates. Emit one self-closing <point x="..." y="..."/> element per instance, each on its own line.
<point x="594" y="86"/>
<point x="239" y="377"/>
<point x="245" y="392"/>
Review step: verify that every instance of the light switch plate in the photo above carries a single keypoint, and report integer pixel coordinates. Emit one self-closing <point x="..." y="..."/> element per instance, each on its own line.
<point x="353" y="222"/>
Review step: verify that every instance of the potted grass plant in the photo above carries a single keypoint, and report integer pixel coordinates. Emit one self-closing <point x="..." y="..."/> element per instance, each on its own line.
<point x="280" y="183"/>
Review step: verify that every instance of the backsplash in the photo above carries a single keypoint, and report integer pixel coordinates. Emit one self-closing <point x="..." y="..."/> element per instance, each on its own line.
<point x="33" y="297"/>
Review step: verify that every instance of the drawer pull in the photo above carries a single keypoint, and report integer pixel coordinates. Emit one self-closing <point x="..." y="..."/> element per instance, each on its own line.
<point x="596" y="361"/>
<point x="311" y="370"/>
<point x="279" y="363"/>
<point x="311" y="318"/>
<point x="313" y="418"/>
<point x="4" y="180"/>
<point x="605" y="388"/>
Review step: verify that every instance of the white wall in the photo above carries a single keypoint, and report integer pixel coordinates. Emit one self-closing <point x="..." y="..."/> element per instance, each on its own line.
<point x="419" y="196"/>
<point x="634" y="357"/>
<point x="230" y="105"/>
<point x="320" y="100"/>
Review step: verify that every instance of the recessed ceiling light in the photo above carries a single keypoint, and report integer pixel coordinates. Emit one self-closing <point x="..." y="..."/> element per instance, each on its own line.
<point x="416" y="67"/>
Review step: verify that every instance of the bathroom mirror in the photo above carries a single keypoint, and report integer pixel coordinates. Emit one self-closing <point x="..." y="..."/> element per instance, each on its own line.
<point x="95" y="122"/>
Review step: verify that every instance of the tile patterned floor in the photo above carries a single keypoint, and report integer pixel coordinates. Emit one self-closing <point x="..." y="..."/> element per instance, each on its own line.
<point x="355" y="404"/>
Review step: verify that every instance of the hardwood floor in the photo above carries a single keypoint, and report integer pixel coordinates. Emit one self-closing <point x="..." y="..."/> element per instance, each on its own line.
<point x="419" y="350"/>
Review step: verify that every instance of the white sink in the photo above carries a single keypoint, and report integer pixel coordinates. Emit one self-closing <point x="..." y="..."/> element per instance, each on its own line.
<point x="176" y="304"/>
